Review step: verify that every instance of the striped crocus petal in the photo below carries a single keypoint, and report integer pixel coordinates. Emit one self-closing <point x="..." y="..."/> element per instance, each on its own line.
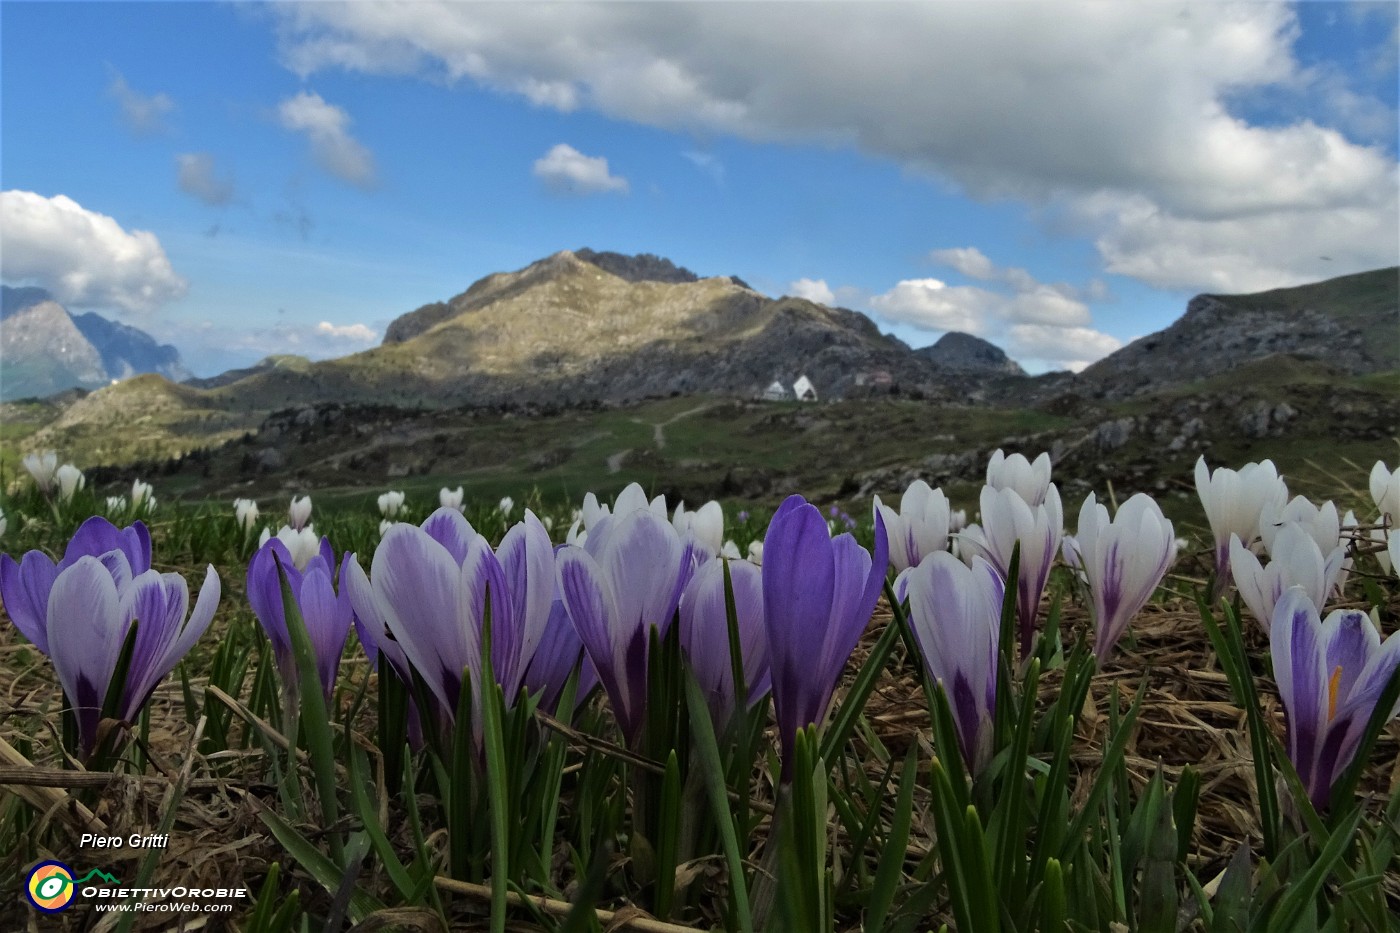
<point x="527" y="559"/>
<point x="1296" y="561"/>
<point x="86" y="629"/>
<point x="704" y="634"/>
<point x="25" y="588"/>
<point x="416" y="588"/>
<point x="157" y="603"/>
<point x="1330" y="676"/>
<point x="955" y="614"/>
<point x="97" y="536"/>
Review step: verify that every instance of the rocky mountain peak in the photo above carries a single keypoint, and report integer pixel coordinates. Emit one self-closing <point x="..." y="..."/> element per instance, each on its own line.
<point x="963" y="353"/>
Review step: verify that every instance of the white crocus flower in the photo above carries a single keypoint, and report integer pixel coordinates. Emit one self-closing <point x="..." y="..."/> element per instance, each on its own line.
<point x="506" y="505"/>
<point x="1007" y="520"/>
<point x="1385" y="490"/>
<point x="390" y="503"/>
<point x="1383" y="555"/>
<point x="70" y="480"/>
<point x="42" y="467"/>
<point x="919" y="528"/>
<point x="141" y="498"/>
<point x="1124" y="560"/>
<point x="299" y="512"/>
<point x="1296" y="561"/>
<point x="3" y="523"/>
<point x="116" y="505"/>
<point x="385" y="525"/>
<point x="1321" y="522"/>
<point x="450" y="498"/>
<point x="705" y="523"/>
<point x="302" y="543"/>
<point x="1233" y="502"/>
<point x="1030" y="480"/>
<point x="756" y="552"/>
<point x="1392" y="550"/>
<point x="730" y="550"/>
<point x="245" y="512"/>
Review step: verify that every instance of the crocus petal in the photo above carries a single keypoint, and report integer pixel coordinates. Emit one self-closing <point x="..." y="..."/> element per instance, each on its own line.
<point x="451" y="529"/>
<point x="327" y="620"/>
<point x="1295" y="644"/>
<point x="527" y="558"/>
<point x="98" y="536"/>
<point x="25" y="588"/>
<point x="86" y="630"/>
<point x="416" y="581"/>
<point x="798" y="586"/>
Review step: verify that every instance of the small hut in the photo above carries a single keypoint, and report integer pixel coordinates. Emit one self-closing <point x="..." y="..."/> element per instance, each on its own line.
<point x="804" y="390"/>
<point x="776" y="392"/>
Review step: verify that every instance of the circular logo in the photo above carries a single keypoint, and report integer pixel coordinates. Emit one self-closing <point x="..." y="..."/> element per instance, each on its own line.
<point x="50" y="887"/>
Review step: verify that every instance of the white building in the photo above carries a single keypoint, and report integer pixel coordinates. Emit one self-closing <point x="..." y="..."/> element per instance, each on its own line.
<point x="804" y="390"/>
<point x="777" y="392"/>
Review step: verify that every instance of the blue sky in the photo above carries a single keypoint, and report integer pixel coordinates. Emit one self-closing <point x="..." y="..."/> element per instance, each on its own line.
<point x="1060" y="178"/>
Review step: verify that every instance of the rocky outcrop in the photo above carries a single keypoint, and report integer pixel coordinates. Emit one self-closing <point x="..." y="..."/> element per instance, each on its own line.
<point x="1351" y="323"/>
<point x="957" y="352"/>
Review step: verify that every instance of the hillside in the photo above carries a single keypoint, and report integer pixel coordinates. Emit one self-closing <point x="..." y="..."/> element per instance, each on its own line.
<point x="1350" y="323"/>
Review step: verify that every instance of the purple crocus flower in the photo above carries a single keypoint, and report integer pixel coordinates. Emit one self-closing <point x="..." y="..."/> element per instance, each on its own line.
<point x="818" y="594"/>
<point x="91" y="608"/>
<point x="327" y="614"/>
<point x="1330" y="676"/>
<point x="626" y="578"/>
<point x="25" y="585"/>
<point x="428" y="588"/>
<point x="704" y="634"/>
<point x="955" y="614"/>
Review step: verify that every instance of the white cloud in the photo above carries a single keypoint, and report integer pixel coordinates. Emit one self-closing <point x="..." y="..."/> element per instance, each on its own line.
<point x="813" y="290"/>
<point x="1058" y="105"/>
<point x="930" y="304"/>
<point x="1247" y="253"/>
<point x="566" y="169"/>
<point x="144" y="115"/>
<point x="968" y="260"/>
<point x="1072" y="348"/>
<point x="84" y="258"/>
<point x="328" y="129"/>
<point x="355" y="333"/>
<point x="198" y="178"/>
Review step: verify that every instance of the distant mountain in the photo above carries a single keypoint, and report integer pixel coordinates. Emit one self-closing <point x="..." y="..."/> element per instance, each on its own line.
<point x="963" y="353"/>
<point x="1350" y="323"/>
<point x="47" y="349"/>
<point x="565" y="330"/>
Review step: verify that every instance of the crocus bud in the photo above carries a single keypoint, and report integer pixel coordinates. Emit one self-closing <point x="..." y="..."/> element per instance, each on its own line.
<point x="299" y="512"/>
<point x="1233" y="502"/>
<point x="1385" y="490"/>
<point x="1124" y="560"/>
<point x="70" y="479"/>
<point x="390" y="503"/>
<point x="919" y="528"/>
<point x="450" y="498"/>
<point x="1031" y="481"/>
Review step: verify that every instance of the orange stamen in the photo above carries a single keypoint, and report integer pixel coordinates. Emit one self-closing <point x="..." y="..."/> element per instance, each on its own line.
<point x="1332" y="693"/>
